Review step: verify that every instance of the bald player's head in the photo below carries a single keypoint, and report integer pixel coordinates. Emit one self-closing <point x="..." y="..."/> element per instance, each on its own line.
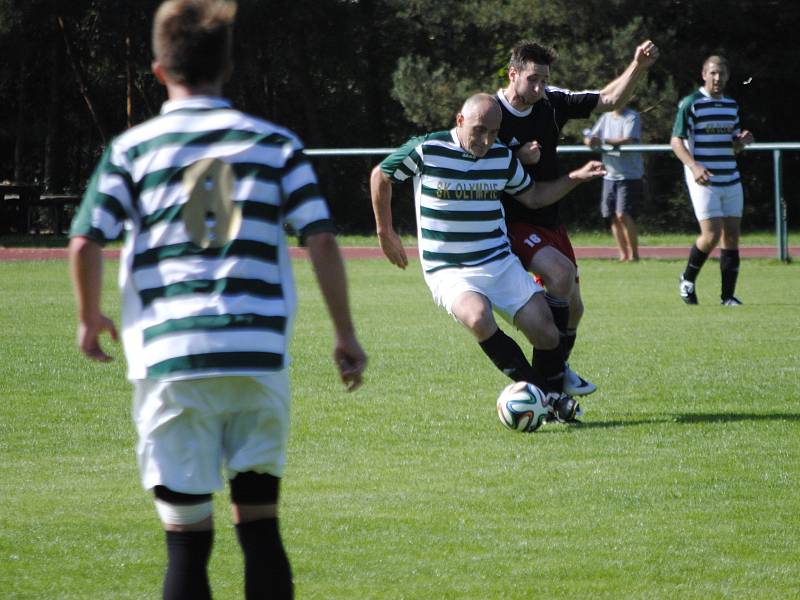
<point x="478" y="123"/>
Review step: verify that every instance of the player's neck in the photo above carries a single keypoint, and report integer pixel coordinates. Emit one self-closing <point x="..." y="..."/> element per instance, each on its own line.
<point x="516" y="102"/>
<point x="178" y="91"/>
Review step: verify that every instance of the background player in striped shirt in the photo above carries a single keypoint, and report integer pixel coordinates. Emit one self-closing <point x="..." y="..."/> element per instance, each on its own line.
<point x="459" y="176"/>
<point x="706" y="137"/>
<point x="202" y="193"/>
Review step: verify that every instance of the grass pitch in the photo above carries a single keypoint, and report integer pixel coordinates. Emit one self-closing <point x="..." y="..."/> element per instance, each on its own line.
<point x="681" y="482"/>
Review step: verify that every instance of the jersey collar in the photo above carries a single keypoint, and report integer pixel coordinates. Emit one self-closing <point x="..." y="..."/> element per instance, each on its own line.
<point x="195" y="102"/>
<point x="517" y="113"/>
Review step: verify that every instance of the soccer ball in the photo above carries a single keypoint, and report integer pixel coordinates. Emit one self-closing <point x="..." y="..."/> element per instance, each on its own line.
<point x="522" y="407"/>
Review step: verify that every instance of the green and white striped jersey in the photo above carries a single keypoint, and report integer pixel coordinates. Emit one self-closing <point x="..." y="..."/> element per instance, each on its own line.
<point x="460" y="219"/>
<point x="709" y="125"/>
<point x="202" y="193"/>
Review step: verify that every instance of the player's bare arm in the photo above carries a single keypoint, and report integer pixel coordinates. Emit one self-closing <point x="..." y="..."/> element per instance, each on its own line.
<point x="545" y="193"/>
<point x="381" y="192"/>
<point x="617" y="92"/>
<point x="330" y="273"/>
<point x="86" y="270"/>
<point x="701" y="175"/>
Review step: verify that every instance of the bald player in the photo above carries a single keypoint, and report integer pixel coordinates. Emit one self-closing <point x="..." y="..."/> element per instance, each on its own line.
<point x="459" y="176"/>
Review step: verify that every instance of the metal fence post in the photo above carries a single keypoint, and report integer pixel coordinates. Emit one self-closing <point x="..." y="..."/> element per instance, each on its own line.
<point x="780" y="208"/>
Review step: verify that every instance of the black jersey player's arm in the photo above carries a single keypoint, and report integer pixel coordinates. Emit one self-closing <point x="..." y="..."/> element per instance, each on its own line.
<point x="545" y="193"/>
<point x="617" y="92"/>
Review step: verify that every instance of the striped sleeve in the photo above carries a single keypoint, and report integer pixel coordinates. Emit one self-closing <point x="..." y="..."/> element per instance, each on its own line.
<point x="107" y="202"/>
<point x="518" y="178"/>
<point x="681" y="126"/>
<point x="404" y="162"/>
<point x="304" y="206"/>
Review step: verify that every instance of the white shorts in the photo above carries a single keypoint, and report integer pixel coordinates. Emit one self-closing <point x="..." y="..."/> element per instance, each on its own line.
<point x="711" y="201"/>
<point x="189" y="429"/>
<point x="505" y="282"/>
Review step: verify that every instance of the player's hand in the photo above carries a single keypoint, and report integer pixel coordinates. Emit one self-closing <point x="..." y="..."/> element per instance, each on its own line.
<point x="646" y="54"/>
<point x="702" y="176"/>
<point x="595" y="142"/>
<point x="591" y="170"/>
<point x="89" y="337"/>
<point x="530" y="153"/>
<point x="392" y="247"/>
<point x="741" y="140"/>
<point x="351" y="361"/>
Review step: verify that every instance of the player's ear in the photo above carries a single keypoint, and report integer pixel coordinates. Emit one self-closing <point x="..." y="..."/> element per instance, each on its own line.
<point x="158" y="71"/>
<point x="459" y="120"/>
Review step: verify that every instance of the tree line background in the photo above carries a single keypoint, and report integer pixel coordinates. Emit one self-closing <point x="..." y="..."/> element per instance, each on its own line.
<point x="372" y="73"/>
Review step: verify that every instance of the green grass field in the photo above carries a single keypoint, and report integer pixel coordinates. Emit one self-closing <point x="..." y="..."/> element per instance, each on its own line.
<point x="682" y="481"/>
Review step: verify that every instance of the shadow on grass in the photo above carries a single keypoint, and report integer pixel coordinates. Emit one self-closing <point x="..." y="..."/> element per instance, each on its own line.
<point x="731" y="417"/>
<point x="685" y="419"/>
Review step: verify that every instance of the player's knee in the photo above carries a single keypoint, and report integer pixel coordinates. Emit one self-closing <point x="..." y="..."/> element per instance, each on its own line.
<point x="562" y="280"/>
<point x="179" y="509"/>
<point x="250" y="487"/>
<point x="477" y="317"/>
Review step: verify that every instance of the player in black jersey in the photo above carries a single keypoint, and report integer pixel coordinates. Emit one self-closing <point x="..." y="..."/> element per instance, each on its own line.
<point x="533" y="115"/>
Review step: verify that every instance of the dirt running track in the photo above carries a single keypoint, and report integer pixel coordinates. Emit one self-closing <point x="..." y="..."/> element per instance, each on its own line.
<point x="9" y="254"/>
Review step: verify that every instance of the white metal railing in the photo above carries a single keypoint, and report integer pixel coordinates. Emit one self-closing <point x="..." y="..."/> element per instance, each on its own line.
<point x="777" y="149"/>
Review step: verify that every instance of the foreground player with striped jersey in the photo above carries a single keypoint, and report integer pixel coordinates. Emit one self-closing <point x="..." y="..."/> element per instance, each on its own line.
<point x="706" y="137"/>
<point x="458" y="177"/>
<point x="201" y="194"/>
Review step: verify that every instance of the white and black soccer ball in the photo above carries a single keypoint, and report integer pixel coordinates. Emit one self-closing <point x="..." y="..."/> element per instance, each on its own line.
<point x="522" y="407"/>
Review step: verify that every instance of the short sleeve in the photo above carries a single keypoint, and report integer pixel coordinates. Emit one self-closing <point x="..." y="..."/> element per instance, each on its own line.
<point x="404" y="162"/>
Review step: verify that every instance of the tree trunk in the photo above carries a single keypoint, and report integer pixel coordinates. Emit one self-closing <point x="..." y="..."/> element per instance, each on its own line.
<point x="53" y="153"/>
<point x="22" y="126"/>
<point x="128" y="70"/>
<point x="84" y="91"/>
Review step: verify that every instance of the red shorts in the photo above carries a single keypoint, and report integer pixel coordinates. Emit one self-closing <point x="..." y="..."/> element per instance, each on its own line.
<point x="527" y="240"/>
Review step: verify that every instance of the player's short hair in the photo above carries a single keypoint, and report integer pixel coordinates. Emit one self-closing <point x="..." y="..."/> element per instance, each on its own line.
<point x="716" y="59"/>
<point x="192" y="39"/>
<point x="526" y="52"/>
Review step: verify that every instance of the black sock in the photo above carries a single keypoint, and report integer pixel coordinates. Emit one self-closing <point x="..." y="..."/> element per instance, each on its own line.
<point x="729" y="268"/>
<point x="560" y="310"/>
<point x="267" y="573"/>
<point x="568" y="342"/>
<point x="549" y="368"/>
<point x="507" y="356"/>
<point x="697" y="259"/>
<point x="187" y="562"/>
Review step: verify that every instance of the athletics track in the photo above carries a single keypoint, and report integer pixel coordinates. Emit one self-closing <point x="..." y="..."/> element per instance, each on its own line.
<point x="658" y="252"/>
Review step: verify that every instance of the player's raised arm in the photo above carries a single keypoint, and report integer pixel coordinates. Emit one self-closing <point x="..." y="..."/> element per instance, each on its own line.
<point x="544" y="193"/>
<point x="617" y="93"/>
<point x="381" y="192"/>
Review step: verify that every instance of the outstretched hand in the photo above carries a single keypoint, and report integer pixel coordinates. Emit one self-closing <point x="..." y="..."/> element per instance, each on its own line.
<point x="646" y="54"/>
<point x="591" y="170"/>
<point x="351" y="361"/>
<point x="392" y="247"/>
<point x="89" y="337"/>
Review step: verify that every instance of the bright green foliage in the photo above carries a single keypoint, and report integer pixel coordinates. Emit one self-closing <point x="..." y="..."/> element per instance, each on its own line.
<point x="681" y="482"/>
